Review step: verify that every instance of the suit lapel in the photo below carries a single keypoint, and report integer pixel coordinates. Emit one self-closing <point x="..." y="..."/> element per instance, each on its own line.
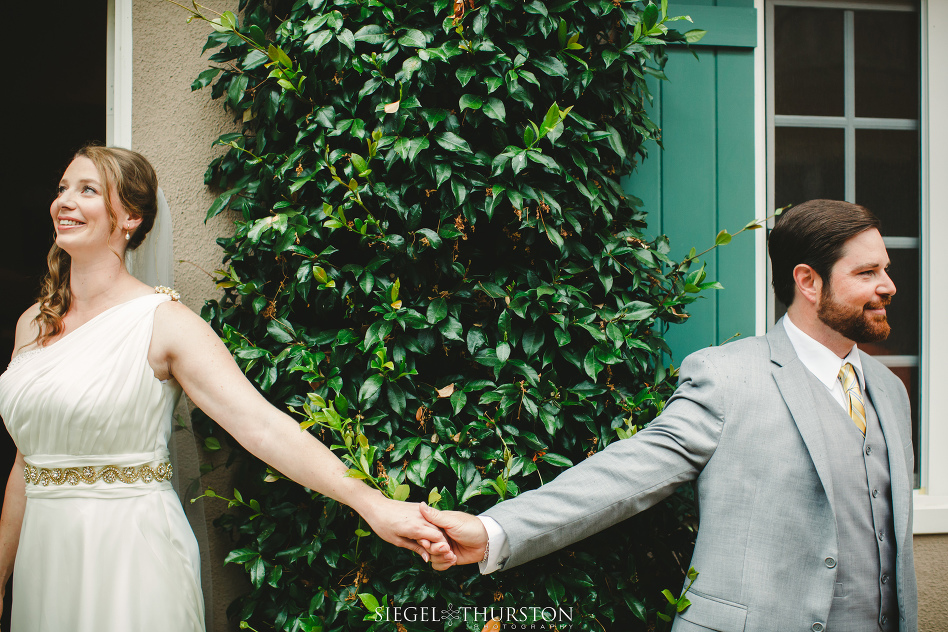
<point x="794" y="385"/>
<point x="889" y="421"/>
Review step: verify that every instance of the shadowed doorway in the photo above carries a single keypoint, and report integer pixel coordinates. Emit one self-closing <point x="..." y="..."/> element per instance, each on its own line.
<point x="56" y="103"/>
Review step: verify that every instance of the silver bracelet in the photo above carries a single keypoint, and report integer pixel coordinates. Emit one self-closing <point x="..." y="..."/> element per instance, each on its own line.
<point x="486" y="553"/>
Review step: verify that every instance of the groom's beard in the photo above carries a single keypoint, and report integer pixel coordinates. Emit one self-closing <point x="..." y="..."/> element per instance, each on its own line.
<point x="856" y="324"/>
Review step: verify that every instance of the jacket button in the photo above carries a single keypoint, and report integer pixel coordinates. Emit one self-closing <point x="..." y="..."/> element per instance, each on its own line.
<point x="868" y="450"/>
<point x="830" y="562"/>
<point x="875" y="493"/>
<point x="817" y="627"/>
<point x="884" y="578"/>
<point x="884" y="620"/>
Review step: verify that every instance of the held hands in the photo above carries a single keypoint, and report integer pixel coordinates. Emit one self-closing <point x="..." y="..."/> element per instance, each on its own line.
<point x="401" y="523"/>
<point x="444" y="538"/>
<point x="466" y="538"/>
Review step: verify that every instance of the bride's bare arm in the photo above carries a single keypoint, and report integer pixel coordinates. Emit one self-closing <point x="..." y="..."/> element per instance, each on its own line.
<point x="14" y="498"/>
<point x="14" y="502"/>
<point x="185" y="347"/>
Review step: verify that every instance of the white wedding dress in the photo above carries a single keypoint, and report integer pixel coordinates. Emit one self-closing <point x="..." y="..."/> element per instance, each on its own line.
<point x="102" y="549"/>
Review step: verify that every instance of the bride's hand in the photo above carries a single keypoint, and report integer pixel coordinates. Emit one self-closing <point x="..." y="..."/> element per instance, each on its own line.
<point x="402" y="524"/>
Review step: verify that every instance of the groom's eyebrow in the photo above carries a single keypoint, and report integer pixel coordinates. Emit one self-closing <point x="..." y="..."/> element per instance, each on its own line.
<point x="873" y="265"/>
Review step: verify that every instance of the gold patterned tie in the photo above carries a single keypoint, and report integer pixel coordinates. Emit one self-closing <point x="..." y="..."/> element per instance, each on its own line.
<point x="854" y="404"/>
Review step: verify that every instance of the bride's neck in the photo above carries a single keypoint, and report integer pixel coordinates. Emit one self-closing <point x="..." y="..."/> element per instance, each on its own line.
<point x="96" y="283"/>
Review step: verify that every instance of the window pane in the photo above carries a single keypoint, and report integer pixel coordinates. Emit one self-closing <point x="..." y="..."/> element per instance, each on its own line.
<point x="887" y="178"/>
<point x="808" y="61"/>
<point x="809" y="165"/>
<point x="904" y="311"/>
<point x="886" y="47"/>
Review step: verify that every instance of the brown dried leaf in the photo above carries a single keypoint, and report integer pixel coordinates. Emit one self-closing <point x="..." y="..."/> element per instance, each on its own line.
<point x="446" y="391"/>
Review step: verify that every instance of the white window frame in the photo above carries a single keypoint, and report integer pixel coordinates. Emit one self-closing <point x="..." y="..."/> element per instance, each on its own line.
<point x="931" y="499"/>
<point x="119" y="57"/>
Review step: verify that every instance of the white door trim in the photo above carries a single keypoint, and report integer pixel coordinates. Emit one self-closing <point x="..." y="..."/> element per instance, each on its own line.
<point x="118" y="117"/>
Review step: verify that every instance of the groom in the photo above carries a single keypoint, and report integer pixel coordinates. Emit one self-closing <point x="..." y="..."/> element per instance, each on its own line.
<point x="800" y="446"/>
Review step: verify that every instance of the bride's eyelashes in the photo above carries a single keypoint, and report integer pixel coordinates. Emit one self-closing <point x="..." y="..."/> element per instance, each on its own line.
<point x="85" y="189"/>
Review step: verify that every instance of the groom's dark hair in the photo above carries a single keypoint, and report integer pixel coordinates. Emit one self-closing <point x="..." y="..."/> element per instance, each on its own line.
<point x="813" y="233"/>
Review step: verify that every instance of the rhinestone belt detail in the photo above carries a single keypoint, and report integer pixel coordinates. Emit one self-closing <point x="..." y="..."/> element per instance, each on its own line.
<point x="90" y="474"/>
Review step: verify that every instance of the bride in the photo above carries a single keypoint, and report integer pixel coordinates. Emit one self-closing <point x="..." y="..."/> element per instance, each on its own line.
<point x="91" y="528"/>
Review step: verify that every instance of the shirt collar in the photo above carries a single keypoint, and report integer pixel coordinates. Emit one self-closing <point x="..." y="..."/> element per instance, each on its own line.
<point x="819" y="360"/>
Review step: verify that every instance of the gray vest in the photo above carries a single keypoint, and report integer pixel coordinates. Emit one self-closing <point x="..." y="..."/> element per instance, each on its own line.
<point x="865" y="596"/>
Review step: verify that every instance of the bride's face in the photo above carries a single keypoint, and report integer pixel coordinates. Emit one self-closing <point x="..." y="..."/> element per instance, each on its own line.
<point x="80" y="216"/>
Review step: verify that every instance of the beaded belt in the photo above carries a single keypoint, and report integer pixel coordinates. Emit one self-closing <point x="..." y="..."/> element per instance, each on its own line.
<point x="89" y="474"/>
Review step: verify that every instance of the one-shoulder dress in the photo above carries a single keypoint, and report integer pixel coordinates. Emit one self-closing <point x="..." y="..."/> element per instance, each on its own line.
<point x="105" y="544"/>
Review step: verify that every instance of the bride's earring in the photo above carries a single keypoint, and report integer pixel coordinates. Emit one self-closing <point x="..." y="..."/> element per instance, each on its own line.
<point x="128" y="235"/>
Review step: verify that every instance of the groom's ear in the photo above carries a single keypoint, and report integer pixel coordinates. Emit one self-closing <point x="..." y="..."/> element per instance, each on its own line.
<point x="808" y="284"/>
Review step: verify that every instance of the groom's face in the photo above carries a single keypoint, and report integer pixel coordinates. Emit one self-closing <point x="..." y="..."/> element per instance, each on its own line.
<point x="854" y="298"/>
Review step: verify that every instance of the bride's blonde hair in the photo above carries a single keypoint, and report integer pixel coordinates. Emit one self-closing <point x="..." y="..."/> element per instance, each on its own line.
<point x="128" y="175"/>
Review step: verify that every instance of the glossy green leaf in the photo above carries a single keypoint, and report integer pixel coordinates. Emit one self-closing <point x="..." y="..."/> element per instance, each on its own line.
<point x="414" y="38"/>
<point x="437" y="310"/>
<point x="371" y="34"/>
<point x="694" y="35"/>
<point x="557" y="459"/>
<point x="723" y="238"/>
<point x="204" y="78"/>
<point x="401" y="492"/>
<point x="370" y="387"/>
<point x="495" y="109"/>
<point x="452" y="142"/>
<point x="470" y="101"/>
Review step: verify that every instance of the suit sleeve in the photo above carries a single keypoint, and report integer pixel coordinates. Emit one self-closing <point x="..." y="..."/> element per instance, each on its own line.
<point x="627" y="477"/>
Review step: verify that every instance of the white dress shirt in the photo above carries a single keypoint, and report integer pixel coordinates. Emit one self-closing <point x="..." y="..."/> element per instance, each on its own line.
<point x="819" y="360"/>
<point x="823" y="363"/>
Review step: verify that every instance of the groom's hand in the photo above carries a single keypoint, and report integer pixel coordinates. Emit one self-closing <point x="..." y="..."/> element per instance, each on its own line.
<point x="466" y="535"/>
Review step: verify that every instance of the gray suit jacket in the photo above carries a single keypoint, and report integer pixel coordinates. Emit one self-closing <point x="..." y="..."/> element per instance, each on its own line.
<point x="742" y="423"/>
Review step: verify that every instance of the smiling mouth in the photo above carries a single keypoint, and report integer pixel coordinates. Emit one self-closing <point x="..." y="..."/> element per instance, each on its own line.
<point x="876" y="310"/>
<point x="69" y="222"/>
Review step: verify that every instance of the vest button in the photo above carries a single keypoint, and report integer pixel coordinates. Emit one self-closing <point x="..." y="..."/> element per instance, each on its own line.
<point x="830" y="562"/>
<point x="884" y="578"/>
<point x="875" y="493"/>
<point x="868" y="450"/>
<point x="817" y="627"/>
<point x="884" y="620"/>
<point x="881" y="536"/>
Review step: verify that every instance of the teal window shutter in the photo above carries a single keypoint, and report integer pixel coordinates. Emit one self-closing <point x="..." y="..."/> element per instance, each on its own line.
<point x="703" y="180"/>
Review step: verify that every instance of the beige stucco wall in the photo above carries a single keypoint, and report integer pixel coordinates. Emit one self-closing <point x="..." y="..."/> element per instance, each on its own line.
<point x="931" y="564"/>
<point x="175" y="129"/>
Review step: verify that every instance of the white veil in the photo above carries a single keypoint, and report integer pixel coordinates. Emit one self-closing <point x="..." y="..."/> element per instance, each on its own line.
<point x="153" y="263"/>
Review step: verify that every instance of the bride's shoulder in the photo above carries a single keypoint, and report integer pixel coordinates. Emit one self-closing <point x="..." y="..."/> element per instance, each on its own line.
<point x="172" y="316"/>
<point x="26" y="328"/>
<point x="178" y="331"/>
<point x="29" y="316"/>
